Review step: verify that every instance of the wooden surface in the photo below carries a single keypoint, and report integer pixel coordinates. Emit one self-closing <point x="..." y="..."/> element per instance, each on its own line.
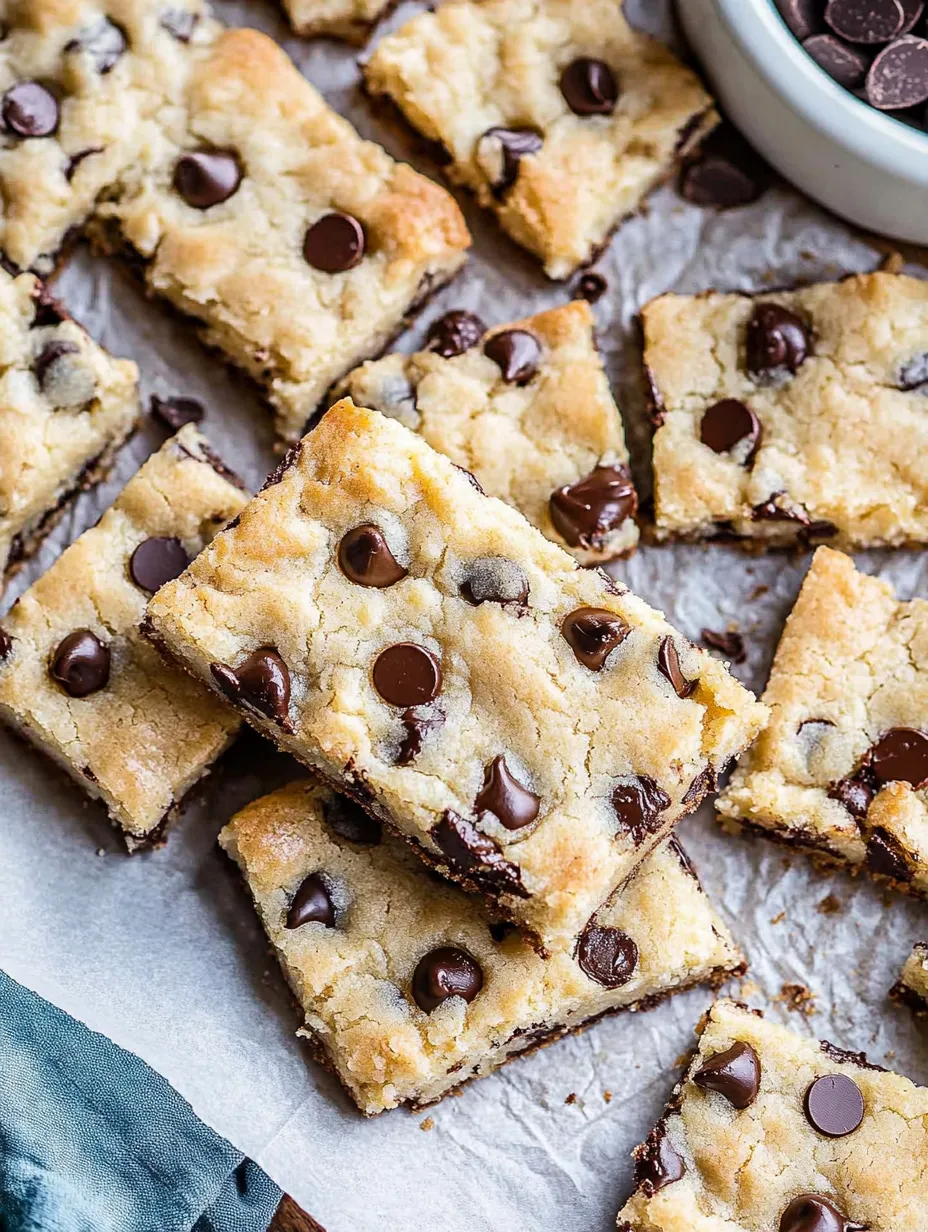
<point x="290" y="1218"/>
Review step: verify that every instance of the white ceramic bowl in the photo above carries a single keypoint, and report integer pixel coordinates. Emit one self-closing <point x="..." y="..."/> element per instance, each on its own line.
<point x="863" y="165"/>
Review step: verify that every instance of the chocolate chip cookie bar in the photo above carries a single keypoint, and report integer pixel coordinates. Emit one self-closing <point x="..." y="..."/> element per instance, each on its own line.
<point x="770" y="1130"/>
<point x="259" y="211"/>
<point x="530" y="727"/>
<point x="911" y="988"/>
<point x="79" y="85"/>
<point x="795" y="416"/>
<point x="526" y="408"/>
<point x="407" y="989"/>
<point x="842" y="767"/>
<point x="65" y="408"/>
<point x="78" y="680"/>
<point x="558" y="115"/>
<point x="352" y="20"/>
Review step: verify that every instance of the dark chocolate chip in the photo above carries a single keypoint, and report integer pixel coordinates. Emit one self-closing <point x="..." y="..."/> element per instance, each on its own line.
<point x="454" y="333"/>
<point x="590" y="286"/>
<point x="495" y="579"/>
<point x="156" y="561"/>
<point x="730" y="644"/>
<point x="407" y="675"/>
<point x="104" y="42"/>
<point x="657" y="1162"/>
<point x="500" y="930"/>
<point x="728" y="424"/>
<point x="334" y="243"/>
<point x="500" y="151"/>
<point x="513" y="805"/>
<point x="776" y="339"/>
<point x="351" y="822"/>
<point x="365" y="558"/>
<point x="812" y="1213"/>
<point x="207" y="177"/>
<point x="419" y="723"/>
<point x="312" y="903"/>
<point x="704" y="782"/>
<point x="855" y="794"/>
<point x="592" y="634"/>
<point x="734" y="1073"/>
<point x="589" y="87"/>
<point x="81" y="663"/>
<point x="585" y="512"/>
<point x="834" y="1105"/>
<point x="179" y="22"/>
<point x="818" y="530"/>
<point x="804" y="17"/>
<point x="914" y="374"/>
<point x="607" y="955"/>
<point x="6" y="644"/>
<point x="668" y="662"/>
<point x="638" y="804"/>
<point x="913" y="10"/>
<point x="262" y="681"/>
<point x="865" y="21"/>
<point x="29" y="110"/>
<point x="175" y="412"/>
<point x="477" y="855"/>
<point x="443" y="973"/>
<point x="901" y="756"/>
<point x="887" y="857"/>
<point x="76" y="159"/>
<point x="779" y="508"/>
<point x="898" y="77"/>
<point x="516" y="353"/>
<point x="724" y="172"/>
<point x="843" y="62"/>
<point x="48" y="309"/>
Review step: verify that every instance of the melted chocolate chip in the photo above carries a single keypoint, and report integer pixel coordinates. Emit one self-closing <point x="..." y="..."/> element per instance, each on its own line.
<point x="175" y="412"/>
<point x="81" y="663"/>
<point x="776" y="340"/>
<point x="334" y="244"/>
<point x="734" y="1073"/>
<point x="901" y="756"/>
<point x="811" y="1213"/>
<point x="48" y="309"/>
<point x="843" y="62"/>
<point x="730" y="644"/>
<point x="779" y="508"/>
<point x="865" y="21"/>
<point x="898" y="77"/>
<point x="76" y="159"/>
<point x="6" y="644"/>
<point x="29" y="110"/>
<point x="351" y="822"/>
<point x="657" y="1162"/>
<point x="454" y="333"/>
<point x="668" y="662"/>
<point x="476" y="855"/>
<point x="590" y="286"/>
<point x="104" y="42"/>
<point x="443" y="973"/>
<point x="262" y="682"/>
<point x="834" y="1105"/>
<point x="365" y="558"/>
<point x="312" y="903"/>
<point x="207" y="177"/>
<point x="856" y="794"/>
<point x="407" y="675"/>
<point x="607" y="955"/>
<point x="500" y="150"/>
<point x="179" y="22"/>
<point x="887" y="857"/>
<point x="513" y="805"/>
<point x="419" y="723"/>
<point x="704" y="782"/>
<point x="914" y="374"/>
<point x="495" y="579"/>
<point x="584" y="513"/>
<point x="156" y="561"/>
<point x="730" y="424"/>
<point x="593" y="633"/>
<point x="589" y="87"/>
<point x="516" y="353"/>
<point x="638" y="804"/>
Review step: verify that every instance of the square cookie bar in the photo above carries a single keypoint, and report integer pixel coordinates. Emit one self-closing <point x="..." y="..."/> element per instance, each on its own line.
<point x="911" y="988"/>
<point x="842" y="768"/>
<point x="558" y="115"/>
<point x="526" y="408"/>
<point x="792" y="416"/>
<point x="65" y="408"/>
<point x="771" y="1130"/>
<point x="533" y="729"/>
<point x="79" y="83"/>
<point x="352" y="20"/>
<point x="76" y="677"/>
<point x="408" y="990"/>
<point x="259" y="211"/>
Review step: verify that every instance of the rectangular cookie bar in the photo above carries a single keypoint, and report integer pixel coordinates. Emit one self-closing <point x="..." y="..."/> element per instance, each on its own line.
<point x="76" y="677"/>
<point x="352" y="20"/>
<point x="533" y="729"/>
<point x="407" y="989"/>
<point x="527" y="409"/>
<point x="259" y="211"/>
<point x="65" y="408"/>
<point x="794" y="415"/>
<point x="558" y="115"/>
<point x="771" y="1130"/>
<point x="911" y="988"/>
<point x="842" y="768"/>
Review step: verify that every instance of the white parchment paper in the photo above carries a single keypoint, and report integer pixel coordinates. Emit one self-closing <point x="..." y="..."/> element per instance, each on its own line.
<point x="162" y="951"/>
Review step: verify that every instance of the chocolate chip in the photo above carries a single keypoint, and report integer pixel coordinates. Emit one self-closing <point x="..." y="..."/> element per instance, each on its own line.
<point x="776" y="339"/>
<point x="779" y="508"/>
<point x="734" y="1073"/>
<point x="887" y="857"/>
<point x="914" y="374"/>
<point x="912" y="10"/>
<point x="262" y="681"/>
<point x="590" y="286"/>
<point x="476" y="855"/>
<point x="207" y="177"/>
<point x="516" y="353"/>
<point x="607" y="955"/>
<point x="724" y="172"/>
<point x="63" y="381"/>
<point x="811" y="1213"/>
<point x="513" y="805"/>
<point x="730" y="644"/>
<point x="500" y="150"/>
<point x="855" y="794"/>
<point x="731" y="424"/>
<point x="351" y="822"/>
<point x="312" y="903"/>
<point x="29" y="110"/>
<point x="804" y="17"/>
<point x="495" y="579"/>
<point x="898" y="77"/>
<point x="657" y="1162"/>
<point x="407" y="675"/>
<point x="104" y="42"/>
<point x="901" y="756"/>
<point x="704" y="782"/>
<point x="593" y="633"/>
<point x="638" y="804"/>
<point x="365" y="558"/>
<point x="81" y="664"/>
<point x="668" y="662"/>
<point x="48" y="309"/>
<point x="454" y="333"/>
<point x="175" y="412"/>
<point x="6" y="644"/>
<point x="335" y="243"/>
<point x="179" y="22"/>
<point x="156" y="561"/>
<point x="589" y="87"/>
<point x="443" y="973"/>
<point x="843" y="62"/>
<point x="834" y="1105"/>
<point x="585" y="512"/>
<point x="419" y="723"/>
<point x="865" y="21"/>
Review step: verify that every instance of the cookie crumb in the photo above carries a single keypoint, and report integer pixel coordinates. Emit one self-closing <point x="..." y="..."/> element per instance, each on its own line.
<point x="101" y="851"/>
<point x="756" y="593"/>
<point x="607" y="1097"/>
<point x="427" y="1124"/>
<point x="778" y="919"/>
<point x="829" y="905"/>
<point x="571" y="1098"/>
<point x="798" y="999"/>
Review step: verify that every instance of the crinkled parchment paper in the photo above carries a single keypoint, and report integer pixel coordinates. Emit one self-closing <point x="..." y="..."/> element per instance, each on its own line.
<point x="162" y="951"/>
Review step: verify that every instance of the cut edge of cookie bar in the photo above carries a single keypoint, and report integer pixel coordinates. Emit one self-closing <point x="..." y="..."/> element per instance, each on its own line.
<point x="340" y="20"/>
<point x="93" y="596"/>
<point x="911" y="989"/>
<point x="763" y="1126"/>
<point x="541" y="382"/>
<point x="318" y="868"/>
<point x="862" y="820"/>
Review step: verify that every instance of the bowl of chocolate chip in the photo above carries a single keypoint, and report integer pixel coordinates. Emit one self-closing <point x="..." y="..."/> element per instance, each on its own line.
<point x="833" y="93"/>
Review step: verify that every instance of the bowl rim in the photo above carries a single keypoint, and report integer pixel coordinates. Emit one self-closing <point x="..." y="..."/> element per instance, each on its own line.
<point x="779" y="58"/>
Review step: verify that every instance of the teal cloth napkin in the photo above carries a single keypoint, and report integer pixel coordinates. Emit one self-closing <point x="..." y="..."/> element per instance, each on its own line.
<point x="92" y="1140"/>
